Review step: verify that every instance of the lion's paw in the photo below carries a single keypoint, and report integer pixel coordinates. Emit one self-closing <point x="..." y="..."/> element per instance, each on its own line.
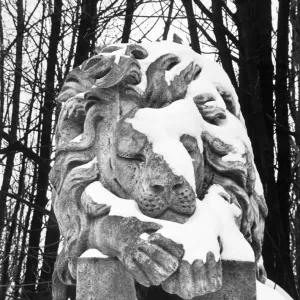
<point x="199" y="278"/>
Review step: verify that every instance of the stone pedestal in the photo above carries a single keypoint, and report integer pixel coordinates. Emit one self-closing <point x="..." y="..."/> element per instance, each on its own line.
<point x="103" y="279"/>
<point x="107" y="279"/>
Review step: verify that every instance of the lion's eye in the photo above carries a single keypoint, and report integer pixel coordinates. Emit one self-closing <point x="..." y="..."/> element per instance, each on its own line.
<point x="189" y="142"/>
<point x="133" y="156"/>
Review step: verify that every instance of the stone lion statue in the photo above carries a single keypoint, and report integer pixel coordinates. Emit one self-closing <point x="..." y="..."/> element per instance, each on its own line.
<point x="159" y="128"/>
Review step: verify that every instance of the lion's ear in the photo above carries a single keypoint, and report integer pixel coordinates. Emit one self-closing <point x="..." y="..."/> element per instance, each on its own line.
<point x="177" y="39"/>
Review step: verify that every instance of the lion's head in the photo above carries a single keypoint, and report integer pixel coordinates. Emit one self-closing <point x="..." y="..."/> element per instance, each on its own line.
<point x="102" y="98"/>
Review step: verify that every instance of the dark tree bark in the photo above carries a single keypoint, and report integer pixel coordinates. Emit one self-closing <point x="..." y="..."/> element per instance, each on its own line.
<point x="192" y="24"/>
<point x="86" y="31"/>
<point x="17" y="146"/>
<point x="265" y="68"/>
<point x="169" y="21"/>
<point x="219" y="31"/>
<point x="256" y="98"/>
<point x="49" y="257"/>
<point x="297" y="246"/>
<point x="1" y="72"/>
<point x="250" y="88"/>
<point x="285" y="277"/>
<point x="130" y="7"/>
<point x="45" y="153"/>
<point x="294" y="80"/>
<point x="282" y="98"/>
<point x="71" y="53"/>
<point x="251" y="104"/>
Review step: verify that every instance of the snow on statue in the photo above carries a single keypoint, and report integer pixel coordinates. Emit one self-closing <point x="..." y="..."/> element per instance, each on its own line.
<point x="154" y="167"/>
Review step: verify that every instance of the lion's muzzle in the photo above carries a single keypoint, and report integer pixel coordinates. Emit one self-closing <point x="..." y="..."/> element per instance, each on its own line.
<point x="162" y="190"/>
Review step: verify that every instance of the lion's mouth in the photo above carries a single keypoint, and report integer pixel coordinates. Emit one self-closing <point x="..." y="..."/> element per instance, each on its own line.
<point x="170" y="215"/>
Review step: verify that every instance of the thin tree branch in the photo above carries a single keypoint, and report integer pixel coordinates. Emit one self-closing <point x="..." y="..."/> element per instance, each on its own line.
<point x="229" y="12"/>
<point x="210" y="16"/>
<point x="192" y="24"/>
<point x="169" y="21"/>
<point x="281" y="126"/>
<point x="15" y="145"/>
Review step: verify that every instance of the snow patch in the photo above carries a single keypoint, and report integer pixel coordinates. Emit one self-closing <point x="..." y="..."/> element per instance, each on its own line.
<point x="211" y="71"/>
<point x="270" y="291"/>
<point x="234" y="156"/>
<point x="77" y="139"/>
<point x="144" y="236"/>
<point x="258" y="187"/>
<point x="80" y="95"/>
<point x="214" y="217"/>
<point x="276" y="287"/>
<point x="164" y="127"/>
<point x="117" y="54"/>
<point x="93" y="253"/>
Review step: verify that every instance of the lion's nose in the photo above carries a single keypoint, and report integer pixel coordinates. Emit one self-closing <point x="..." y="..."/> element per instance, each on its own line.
<point x="159" y="185"/>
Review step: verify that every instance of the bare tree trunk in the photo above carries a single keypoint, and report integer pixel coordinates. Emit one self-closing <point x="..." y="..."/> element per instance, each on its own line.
<point x="192" y="24"/>
<point x="14" y="121"/>
<point x="130" y="7"/>
<point x="86" y="32"/>
<point x="250" y="95"/>
<point x="295" y="113"/>
<point x="8" y="243"/>
<point x="256" y="99"/>
<point x="222" y="46"/>
<point x="1" y="72"/>
<point x="250" y="88"/>
<point x="19" y="267"/>
<point x="49" y="257"/>
<point x="285" y="277"/>
<point x="45" y="153"/>
<point x="169" y="21"/>
<point x="297" y="246"/>
<point x="71" y="52"/>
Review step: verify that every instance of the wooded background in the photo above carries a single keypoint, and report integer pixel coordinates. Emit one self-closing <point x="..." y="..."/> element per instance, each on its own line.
<point x="256" y="41"/>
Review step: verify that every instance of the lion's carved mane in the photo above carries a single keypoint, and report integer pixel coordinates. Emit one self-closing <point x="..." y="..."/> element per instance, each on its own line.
<point x="95" y="97"/>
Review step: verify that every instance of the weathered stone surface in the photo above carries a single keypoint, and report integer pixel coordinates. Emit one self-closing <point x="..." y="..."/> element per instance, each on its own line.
<point x="96" y="143"/>
<point x="114" y="282"/>
<point x="239" y="282"/>
<point x="103" y="279"/>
